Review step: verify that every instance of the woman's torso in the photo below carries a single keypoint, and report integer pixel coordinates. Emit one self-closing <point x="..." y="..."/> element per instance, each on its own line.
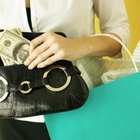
<point x="73" y="17"/>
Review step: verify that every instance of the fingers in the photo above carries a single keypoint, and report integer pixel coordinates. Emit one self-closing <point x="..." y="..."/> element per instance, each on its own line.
<point x="37" y="52"/>
<point x="45" y="50"/>
<point x="49" y="61"/>
<point x="35" y="42"/>
<point x="40" y="58"/>
<point x="39" y="45"/>
<point x="39" y="40"/>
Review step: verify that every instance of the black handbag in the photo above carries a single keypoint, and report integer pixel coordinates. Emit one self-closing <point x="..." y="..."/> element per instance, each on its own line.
<point x="55" y="88"/>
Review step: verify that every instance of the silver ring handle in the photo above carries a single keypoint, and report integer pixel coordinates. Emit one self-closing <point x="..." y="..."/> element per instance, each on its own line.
<point x="5" y="95"/>
<point x="28" y="85"/>
<point x="59" y="88"/>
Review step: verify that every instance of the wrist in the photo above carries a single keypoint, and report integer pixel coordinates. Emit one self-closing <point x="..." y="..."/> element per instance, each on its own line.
<point x="84" y="46"/>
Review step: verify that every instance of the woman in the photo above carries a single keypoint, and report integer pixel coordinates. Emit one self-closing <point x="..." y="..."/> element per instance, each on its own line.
<point x="75" y="19"/>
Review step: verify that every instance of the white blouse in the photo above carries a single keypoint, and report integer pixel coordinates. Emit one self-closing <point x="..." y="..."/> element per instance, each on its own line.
<point x="75" y="18"/>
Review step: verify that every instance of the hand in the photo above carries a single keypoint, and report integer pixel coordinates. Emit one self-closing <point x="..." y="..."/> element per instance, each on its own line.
<point x="50" y="47"/>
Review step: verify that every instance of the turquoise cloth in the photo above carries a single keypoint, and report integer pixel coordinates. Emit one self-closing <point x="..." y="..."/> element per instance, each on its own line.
<point x="112" y="112"/>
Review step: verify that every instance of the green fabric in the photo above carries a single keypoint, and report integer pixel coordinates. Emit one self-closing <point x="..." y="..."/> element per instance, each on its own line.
<point x="116" y="74"/>
<point x="92" y="68"/>
<point x="112" y="112"/>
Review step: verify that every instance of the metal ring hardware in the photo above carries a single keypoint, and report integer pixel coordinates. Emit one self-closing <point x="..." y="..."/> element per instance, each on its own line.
<point x="6" y="92"/>
<point x="28" y="85"/>
<point x="59" y="88"/>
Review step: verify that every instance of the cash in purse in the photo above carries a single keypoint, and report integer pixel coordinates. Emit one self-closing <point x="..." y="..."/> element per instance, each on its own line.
<point x="55" y="88"/>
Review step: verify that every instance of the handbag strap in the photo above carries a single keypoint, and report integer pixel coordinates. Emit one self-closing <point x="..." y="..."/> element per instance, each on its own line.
<point x="27" y="85"/>
<point x="32" y="35"/>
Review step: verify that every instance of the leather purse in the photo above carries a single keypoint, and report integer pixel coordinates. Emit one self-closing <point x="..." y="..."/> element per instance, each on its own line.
<point x="55" y="88"/>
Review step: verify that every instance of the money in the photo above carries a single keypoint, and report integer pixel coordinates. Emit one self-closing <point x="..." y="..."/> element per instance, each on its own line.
<point x="7" y="61"/>
<point x="16" y="31"/>
<point x="13" y="47"/>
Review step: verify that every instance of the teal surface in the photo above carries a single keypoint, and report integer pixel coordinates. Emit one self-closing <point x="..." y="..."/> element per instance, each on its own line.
<point x="112" y="112"/>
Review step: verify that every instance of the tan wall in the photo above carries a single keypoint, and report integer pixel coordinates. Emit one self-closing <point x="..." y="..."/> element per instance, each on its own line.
<point x="133" y="9"/>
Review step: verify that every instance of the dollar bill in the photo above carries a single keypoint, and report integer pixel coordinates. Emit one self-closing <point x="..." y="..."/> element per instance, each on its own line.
<point x="6" y="61"/>
<point x="13" y="47"/>
<point x="16" y="31"/>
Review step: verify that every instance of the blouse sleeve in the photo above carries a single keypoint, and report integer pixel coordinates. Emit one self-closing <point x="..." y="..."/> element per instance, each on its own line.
<point x="113" y="18"/>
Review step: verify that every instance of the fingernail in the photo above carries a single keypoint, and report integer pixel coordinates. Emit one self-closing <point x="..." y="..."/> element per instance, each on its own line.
<point x="26" y="62"/>
<point x="39" y="66"/>
<point x="30" y="67"/>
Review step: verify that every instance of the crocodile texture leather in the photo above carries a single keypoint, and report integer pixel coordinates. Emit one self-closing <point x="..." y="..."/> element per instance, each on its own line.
<point x="29" y="92"/>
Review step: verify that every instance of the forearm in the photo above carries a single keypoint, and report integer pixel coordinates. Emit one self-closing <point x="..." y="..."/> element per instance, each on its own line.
<point x="99" y="46"/>
<point x="50" y="47"/>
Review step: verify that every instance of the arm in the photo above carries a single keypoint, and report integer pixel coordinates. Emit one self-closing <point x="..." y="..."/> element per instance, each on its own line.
<point x="53" y="47"/>
<point x="113" y="18"/>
